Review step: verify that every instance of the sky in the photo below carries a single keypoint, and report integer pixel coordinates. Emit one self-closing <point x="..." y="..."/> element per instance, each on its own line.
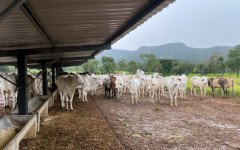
<point x="197" y="23"/>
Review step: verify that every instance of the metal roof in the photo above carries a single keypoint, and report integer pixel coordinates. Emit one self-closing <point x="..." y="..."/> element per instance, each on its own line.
<point x="72" y="30"/>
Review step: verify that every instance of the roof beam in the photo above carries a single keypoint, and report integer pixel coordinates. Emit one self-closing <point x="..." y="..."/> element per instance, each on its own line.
<point x="15" y="4"/>
<point x="56" y="50"/>
<point x="27" y="11"/>
<point x="64" y="64"/>
<point x="61" y="59"/>
<point x="154" y="4"/>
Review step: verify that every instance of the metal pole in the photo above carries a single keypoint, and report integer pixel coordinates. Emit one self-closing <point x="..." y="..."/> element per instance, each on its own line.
<point x="57" y="72"/>
<point x="53" y="77"/>
<point x="22" y="84"/>
<point x="44" y="76"/>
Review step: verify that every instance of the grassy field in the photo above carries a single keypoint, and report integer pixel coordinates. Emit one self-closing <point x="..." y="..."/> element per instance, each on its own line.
<point x="218" y="91"/>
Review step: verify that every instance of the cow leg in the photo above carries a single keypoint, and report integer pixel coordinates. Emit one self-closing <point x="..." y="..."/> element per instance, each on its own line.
<point x="201" y="91"/>
<point x="71" y="99"/>
<point x="6" y="99"/>
<point x="79" y="93"/>
<point x="175" y="97"/>
<point x="132" y="98"/>
<point x="195" y="91"/>
<point x="66" y="97"/>
<point x="85" y="94"/>
<point x="213" y="91"/>
<point x="191" y="90"/>
<point x="136" y="96"/>
<point x="62" y="99"/>
<point x="14" y="100"/>
<point x="170" y="93"/>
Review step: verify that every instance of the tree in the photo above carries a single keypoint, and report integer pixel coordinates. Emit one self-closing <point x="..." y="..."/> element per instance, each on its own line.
<point x="222" y="64"/>
<point x="91" y="66"/>
<point x="234" y="59"/>
<point x="132" y="66"/>
<point x="166" y="66"/>
<point x="213" y="64"/>
<point x="201" y="67"/>
<point x="151" y="63"/>
<point x="122" y="65"/>
<point x="108" y="64"/>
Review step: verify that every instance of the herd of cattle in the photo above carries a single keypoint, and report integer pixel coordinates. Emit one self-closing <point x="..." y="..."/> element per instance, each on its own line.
<point x="9" y="89"/>
<point x="139" y="85"/>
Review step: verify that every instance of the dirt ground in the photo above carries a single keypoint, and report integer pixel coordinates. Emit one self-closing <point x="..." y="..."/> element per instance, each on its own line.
<point x="102" y="123"/>
<point x="83" y="128"/>
<point x="195" y="123"/>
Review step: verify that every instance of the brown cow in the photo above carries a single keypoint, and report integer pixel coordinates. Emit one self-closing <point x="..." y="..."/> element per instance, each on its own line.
<point x="113" y="85"/>
<point x="218" y="83"/>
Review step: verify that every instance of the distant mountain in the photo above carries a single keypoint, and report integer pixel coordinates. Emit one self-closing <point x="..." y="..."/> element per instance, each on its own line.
<point x="177" y="51"/>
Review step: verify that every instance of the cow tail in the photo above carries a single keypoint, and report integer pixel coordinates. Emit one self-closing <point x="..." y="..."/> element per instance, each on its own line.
<point x="226" y="90"/>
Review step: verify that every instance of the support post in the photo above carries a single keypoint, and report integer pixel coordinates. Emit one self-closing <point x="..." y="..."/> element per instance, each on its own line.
<point x="44" y="78"/>
<point x="53" y="78"/>
<point x="22" y="84"/>
<point x="57" y="71"/>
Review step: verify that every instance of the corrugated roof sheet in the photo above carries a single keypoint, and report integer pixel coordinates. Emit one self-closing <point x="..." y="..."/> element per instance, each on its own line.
<point x="72" y="23"/>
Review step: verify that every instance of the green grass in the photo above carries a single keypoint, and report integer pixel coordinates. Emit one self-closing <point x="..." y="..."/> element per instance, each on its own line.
<point x="218" y="92"/>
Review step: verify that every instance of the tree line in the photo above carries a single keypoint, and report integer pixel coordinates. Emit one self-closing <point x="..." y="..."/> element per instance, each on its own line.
<point x="215" y="64"/>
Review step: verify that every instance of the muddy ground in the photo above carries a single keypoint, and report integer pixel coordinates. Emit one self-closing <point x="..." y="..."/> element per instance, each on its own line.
<point x="195" y="123"/>
<point x="104" y="123"/>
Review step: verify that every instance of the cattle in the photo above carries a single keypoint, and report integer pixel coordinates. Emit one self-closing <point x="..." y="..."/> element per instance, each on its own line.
<point x="8" y="89"/>
<point x="165" y="81"/>
<point x="199" y="82"/>
<point x="119" y="87"/>
<point x="231" y="85"/>
<point x="143" y="85"/>
<point x="90" y="83"/>
<point x="32" y="86"/>
<point x="183" y="86"/>
<point x="134" y="87"/>
<point x="173" y="86"/>
<point x="154" y="89"/>
<point x="107" y="87"/>
<point x="218" y="83"/>
<point x="140" y="72"/>
<point x="66" y="85"/>
<point x="113" y="85"/>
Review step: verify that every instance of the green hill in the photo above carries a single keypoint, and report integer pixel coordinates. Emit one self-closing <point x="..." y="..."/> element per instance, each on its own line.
<point x="177" y="51"/>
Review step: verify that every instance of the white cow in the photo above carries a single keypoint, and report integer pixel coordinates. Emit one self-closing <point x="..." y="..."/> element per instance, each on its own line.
<point x="197" y="82"/>
<point x="173" y="86"/>
<point x="8" y="89"/>
<point x="89" y="84"/>
<point x="183" y="86"/>
<point x="66" y="88"/>
<point x="134" y="87"/>
<point x="140" y="72"/>
<point x="119" y="84"/>
<point x="165" y="81"/>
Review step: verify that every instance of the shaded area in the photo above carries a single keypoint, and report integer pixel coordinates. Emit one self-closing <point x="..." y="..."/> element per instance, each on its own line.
<point x="83" y="128"/>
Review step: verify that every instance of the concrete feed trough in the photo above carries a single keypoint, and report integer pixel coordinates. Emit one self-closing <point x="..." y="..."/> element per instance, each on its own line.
<point x="37" y="105"/>
<point x="14" y="128"/>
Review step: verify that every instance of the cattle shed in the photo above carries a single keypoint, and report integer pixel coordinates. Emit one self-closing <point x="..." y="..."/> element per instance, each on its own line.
<point x="56" y="33"/>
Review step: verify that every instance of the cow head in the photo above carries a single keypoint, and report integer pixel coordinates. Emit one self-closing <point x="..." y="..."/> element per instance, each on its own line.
<point x="204" y="80"/>
<point x="210" y="81"/>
